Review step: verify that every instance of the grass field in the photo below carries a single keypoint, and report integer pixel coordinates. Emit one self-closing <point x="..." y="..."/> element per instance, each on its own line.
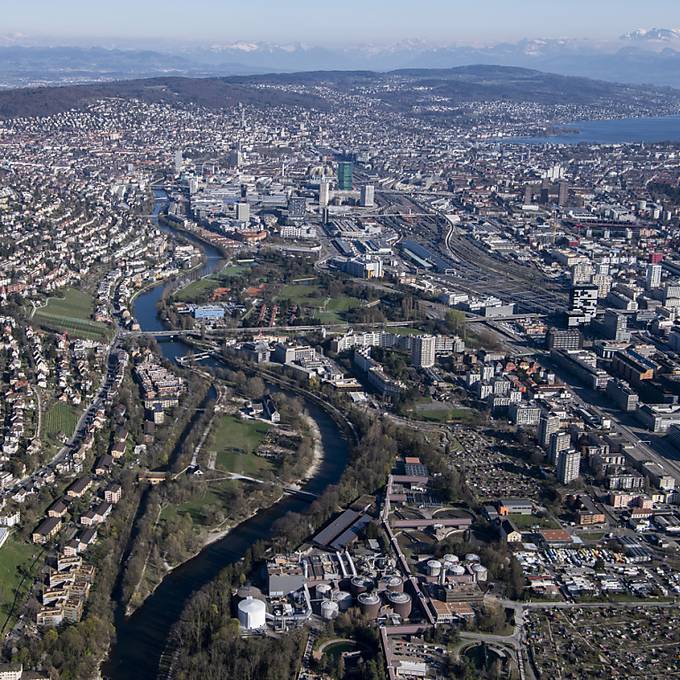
<point x="72" y="313"/>
<point x="329" y="310"/>
<point x="60" y="417"/>
<point x="13" y="554"/>
<point x="523" y="522"/>
<point x="235" y="441"/>
<point x="437" y="412"/>
<point x="215" y="496"/>
<point x="199" y="289"/>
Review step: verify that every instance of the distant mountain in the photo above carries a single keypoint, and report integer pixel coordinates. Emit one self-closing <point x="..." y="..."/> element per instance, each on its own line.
<point x="643" y="56"/>
<point x="482" y="83"/>
<point x="647" y="35"/>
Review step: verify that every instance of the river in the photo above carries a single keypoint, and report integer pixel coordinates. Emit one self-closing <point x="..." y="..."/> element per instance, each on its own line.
<point x="619" y="131"/>
<point x="141" y="638"/>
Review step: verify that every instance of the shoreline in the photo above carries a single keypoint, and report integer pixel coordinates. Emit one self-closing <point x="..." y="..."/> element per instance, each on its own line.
<point x="212" y="536"/>
<point x="319" y="452"/>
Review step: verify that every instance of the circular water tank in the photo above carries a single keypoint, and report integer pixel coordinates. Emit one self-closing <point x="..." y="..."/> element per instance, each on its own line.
<point x="323" y="591"/>
<point x="480" y="572"/>
<point x="450" y="557"/>
<point x="434" y="567"/>
<point x="329" y="610"/>
<point x="395" y="584"/>
<point x="358" y="585"/>
<point x="252" y="613"/>
<point x="471" y="557"/>
<point x="343" y="599"/>
<point x="369" y="603"/>
<point x="457" y="570"/>
<point x="400" y="603"/>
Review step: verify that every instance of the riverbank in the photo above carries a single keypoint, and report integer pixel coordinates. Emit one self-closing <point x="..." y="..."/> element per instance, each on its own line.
<point x="211" y="536"/>
<point x="141" y="638"/>
<point x="317" y="458"/>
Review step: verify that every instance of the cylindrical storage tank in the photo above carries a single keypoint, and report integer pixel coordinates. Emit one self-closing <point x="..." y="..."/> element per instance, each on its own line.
<point x="252" y="613"/>
<point x="369" y="603"/>
<point x="323" y="591"/>
<point x="358" y="585"/>
<point x="434" y="567"/>
<point x="343" y="599"/>
<point x="329" y="610"/>
<point x="471" y="557"/>
<point x="450" y="557"/>
<point x="400" y="603"/>
<point x="395" y="584"/>
<point x="457" y="570"/>
<point x="480" y="572"/>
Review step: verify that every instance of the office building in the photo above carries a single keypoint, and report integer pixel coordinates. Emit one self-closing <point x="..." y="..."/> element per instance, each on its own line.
<point x="614" y="326"/>
<point x="324" y="193"/>
<point x="345" y="171"/>
<point x="423" y="352"/>
<point x="653" y="276"/>
<point x="563" y="197"/>
<point x="583" y="303"/>
<point x="367" y="196"/>
<point x="564" y="339"/>
<point x="547" y="424"/>
<point x="620" y="392"/>
<point x="559" y="441"/>
<point x="297" y="206"/>
<point x="581" y="273"/>
<point x="178" y="162"/>
<point x="568" y="466"/>
<point x="362" y="268"/>
<point x="243" y="212"/>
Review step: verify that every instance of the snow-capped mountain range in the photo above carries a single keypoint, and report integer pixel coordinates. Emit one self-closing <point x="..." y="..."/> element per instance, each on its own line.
<point x="646" y="55"/>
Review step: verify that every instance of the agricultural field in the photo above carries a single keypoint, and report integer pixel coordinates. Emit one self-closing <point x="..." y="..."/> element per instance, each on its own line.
<point x="235" y="441"/>
<point x="72" y="313"/>
<point x="59" y="418"/>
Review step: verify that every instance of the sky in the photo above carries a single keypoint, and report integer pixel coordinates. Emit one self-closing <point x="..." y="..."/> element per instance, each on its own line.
<point x="332" y="22"/>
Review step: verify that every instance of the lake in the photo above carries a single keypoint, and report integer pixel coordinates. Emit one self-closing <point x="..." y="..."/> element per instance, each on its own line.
<point x="623" y="131"/>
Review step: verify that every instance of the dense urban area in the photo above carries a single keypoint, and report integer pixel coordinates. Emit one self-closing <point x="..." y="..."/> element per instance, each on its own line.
<point x="332" y="379"/>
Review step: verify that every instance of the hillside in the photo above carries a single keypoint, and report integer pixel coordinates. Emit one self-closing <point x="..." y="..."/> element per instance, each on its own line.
<point x="462" y="84"/>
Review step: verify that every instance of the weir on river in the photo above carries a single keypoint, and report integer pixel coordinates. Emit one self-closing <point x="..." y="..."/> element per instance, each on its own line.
<point x="141" y="639"/>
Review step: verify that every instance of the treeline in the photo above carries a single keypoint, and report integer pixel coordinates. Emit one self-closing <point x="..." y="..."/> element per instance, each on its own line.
<point x="209" y="641"/>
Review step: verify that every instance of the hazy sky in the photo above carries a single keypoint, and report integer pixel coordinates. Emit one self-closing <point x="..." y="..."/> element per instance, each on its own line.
<point x="335" y="21"/>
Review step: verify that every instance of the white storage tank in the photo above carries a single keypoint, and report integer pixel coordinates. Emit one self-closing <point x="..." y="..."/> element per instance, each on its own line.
<point x="450" y="557"/>
<point x="343" y="599"/>
<point x="323" y="591"/>
<point x="329" y="610"/>
<point x="481" y="574"/>
<point x="252" y="614"/>
<point x="457" y="570"/>
<point x="471" y="557"/>
<point x="434" y="567"/>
